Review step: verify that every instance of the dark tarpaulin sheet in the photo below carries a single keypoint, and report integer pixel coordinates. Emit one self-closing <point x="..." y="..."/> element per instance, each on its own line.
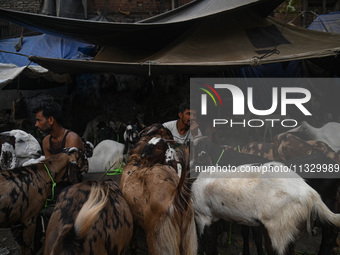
<point x="147" y="35"/>
<point x="213" y="39"/>
<point x="217" y="43"/>
<point x="202" y="8"/>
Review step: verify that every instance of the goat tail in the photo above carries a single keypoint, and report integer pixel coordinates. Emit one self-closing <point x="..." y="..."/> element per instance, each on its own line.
<point x="90" y="211"/>
<point x="183" y="214"/>
<point x="324" y="213"/>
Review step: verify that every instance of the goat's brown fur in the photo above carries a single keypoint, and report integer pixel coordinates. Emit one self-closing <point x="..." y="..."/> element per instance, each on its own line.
<point x="160" y="203"/>
<point x="155" y="130"/>
<point x="24" y="190"/>
<point x="287" y="146"/>
<point x="90" y="218"/>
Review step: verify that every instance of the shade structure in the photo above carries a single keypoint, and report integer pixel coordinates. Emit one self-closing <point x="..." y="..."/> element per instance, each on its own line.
<point x="235" y="37"/>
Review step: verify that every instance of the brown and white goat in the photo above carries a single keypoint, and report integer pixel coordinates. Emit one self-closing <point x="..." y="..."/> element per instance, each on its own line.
<point x="90" y="218"/>
<point x="161" y="204"/>
<point x="155" y="130"/>
<point x="287" y="146"/>
<point x="24" y="190"/>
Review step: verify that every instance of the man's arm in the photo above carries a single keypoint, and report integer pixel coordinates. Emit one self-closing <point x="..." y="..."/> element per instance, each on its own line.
<point x="46" y="146"/>
<point x="74" y="140"/>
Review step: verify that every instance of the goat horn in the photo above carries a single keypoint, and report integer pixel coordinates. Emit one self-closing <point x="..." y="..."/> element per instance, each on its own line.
<point x="152" y="129"/>
<point x="198" y="138"/>
<point x="169" y="141"/>
<point x="72" y="149"/>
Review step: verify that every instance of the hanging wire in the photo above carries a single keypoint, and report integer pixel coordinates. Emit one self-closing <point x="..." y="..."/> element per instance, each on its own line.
<point x="256" y="59"/>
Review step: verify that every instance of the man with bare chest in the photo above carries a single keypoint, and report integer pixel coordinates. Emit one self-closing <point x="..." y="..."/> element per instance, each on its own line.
<point x="48" y="121"/>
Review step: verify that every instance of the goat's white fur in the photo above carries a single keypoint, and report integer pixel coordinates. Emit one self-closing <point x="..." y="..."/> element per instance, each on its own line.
<point x="26" y="146"/>
<point x="282" y="205"/>
<point x="106" y="154"/>
<point x="329" y="133"/>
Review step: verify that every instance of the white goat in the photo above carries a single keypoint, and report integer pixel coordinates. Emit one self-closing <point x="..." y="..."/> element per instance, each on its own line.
<point x="328" y="133"/>
<point x="282" y="205"/>
<point x="26" y="146"/>
<point x="106" y="154"/>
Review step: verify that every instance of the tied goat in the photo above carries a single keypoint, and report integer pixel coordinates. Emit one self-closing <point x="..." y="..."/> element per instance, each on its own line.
<point x="90" y="218"/>
<point x="209" y="236"/>
<point x="24" y="190"/>
<point x="328" y="133"/>
<point x="160" y="203"/>
<point x="26" y="146"/>
<point x="287" y="146"/>
<point x="281" y="204"/>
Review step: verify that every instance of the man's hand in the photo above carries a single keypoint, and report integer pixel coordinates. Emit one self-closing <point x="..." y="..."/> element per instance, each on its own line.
<point x="194" y="128"/>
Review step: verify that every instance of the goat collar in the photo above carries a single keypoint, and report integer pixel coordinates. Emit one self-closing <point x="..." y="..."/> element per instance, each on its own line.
<point x="53" y="186"/>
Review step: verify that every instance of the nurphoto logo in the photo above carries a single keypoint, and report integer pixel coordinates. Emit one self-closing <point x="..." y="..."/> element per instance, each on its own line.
<point x="244" y="101"/>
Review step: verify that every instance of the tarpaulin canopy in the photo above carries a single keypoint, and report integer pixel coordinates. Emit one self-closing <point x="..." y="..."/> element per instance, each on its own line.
<point x="208" y="42"/>
<point x="237" y="39"/>
<point x="41" y="45"/>
<point x="329" y="22"/>
<point x="14" y="63"/>
<point x="148" y="35"/>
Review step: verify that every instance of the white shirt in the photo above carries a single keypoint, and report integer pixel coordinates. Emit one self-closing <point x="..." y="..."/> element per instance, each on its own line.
<point x="172" y="126"/>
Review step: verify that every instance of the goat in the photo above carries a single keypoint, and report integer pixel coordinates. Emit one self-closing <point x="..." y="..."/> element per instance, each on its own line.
<point x="264" y="150"/>
<point x="160" y="203"/>
<point x="154" y="130"/>
<point x="209" y="237"/>
<point x="26" y="146"/>
<point x="130" y="137"/>
<point x="295" y="152"/>
<point x="91" y="132"/>
<point x="106" y="154"/>
<point x="90" y="218"/>
<point x="287" y="146"/>
<point x="24" y="190"/>
<point x="328" y="133"/>
<point x="248" y="198"/>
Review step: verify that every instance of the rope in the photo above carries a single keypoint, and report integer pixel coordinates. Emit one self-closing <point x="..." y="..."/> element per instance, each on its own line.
<point x="220" y="157"/>
<point x="115" y="171"/>
<point x="256" y="60"/>
<point x="53" y="186"/>
<point x="230" y="227"/>
<point x="20" y="54"/>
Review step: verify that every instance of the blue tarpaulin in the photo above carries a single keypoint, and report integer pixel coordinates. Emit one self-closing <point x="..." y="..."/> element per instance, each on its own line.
<point x="327" y="23"/>
<point x="43" y="46"/>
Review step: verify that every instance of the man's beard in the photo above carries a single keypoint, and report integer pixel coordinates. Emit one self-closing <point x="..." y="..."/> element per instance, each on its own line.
<point x="45" y="131"/>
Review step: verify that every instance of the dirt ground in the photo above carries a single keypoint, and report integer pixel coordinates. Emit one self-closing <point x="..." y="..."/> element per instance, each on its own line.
<point x="231" y="245"/>
<point x="306" y="245"/>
